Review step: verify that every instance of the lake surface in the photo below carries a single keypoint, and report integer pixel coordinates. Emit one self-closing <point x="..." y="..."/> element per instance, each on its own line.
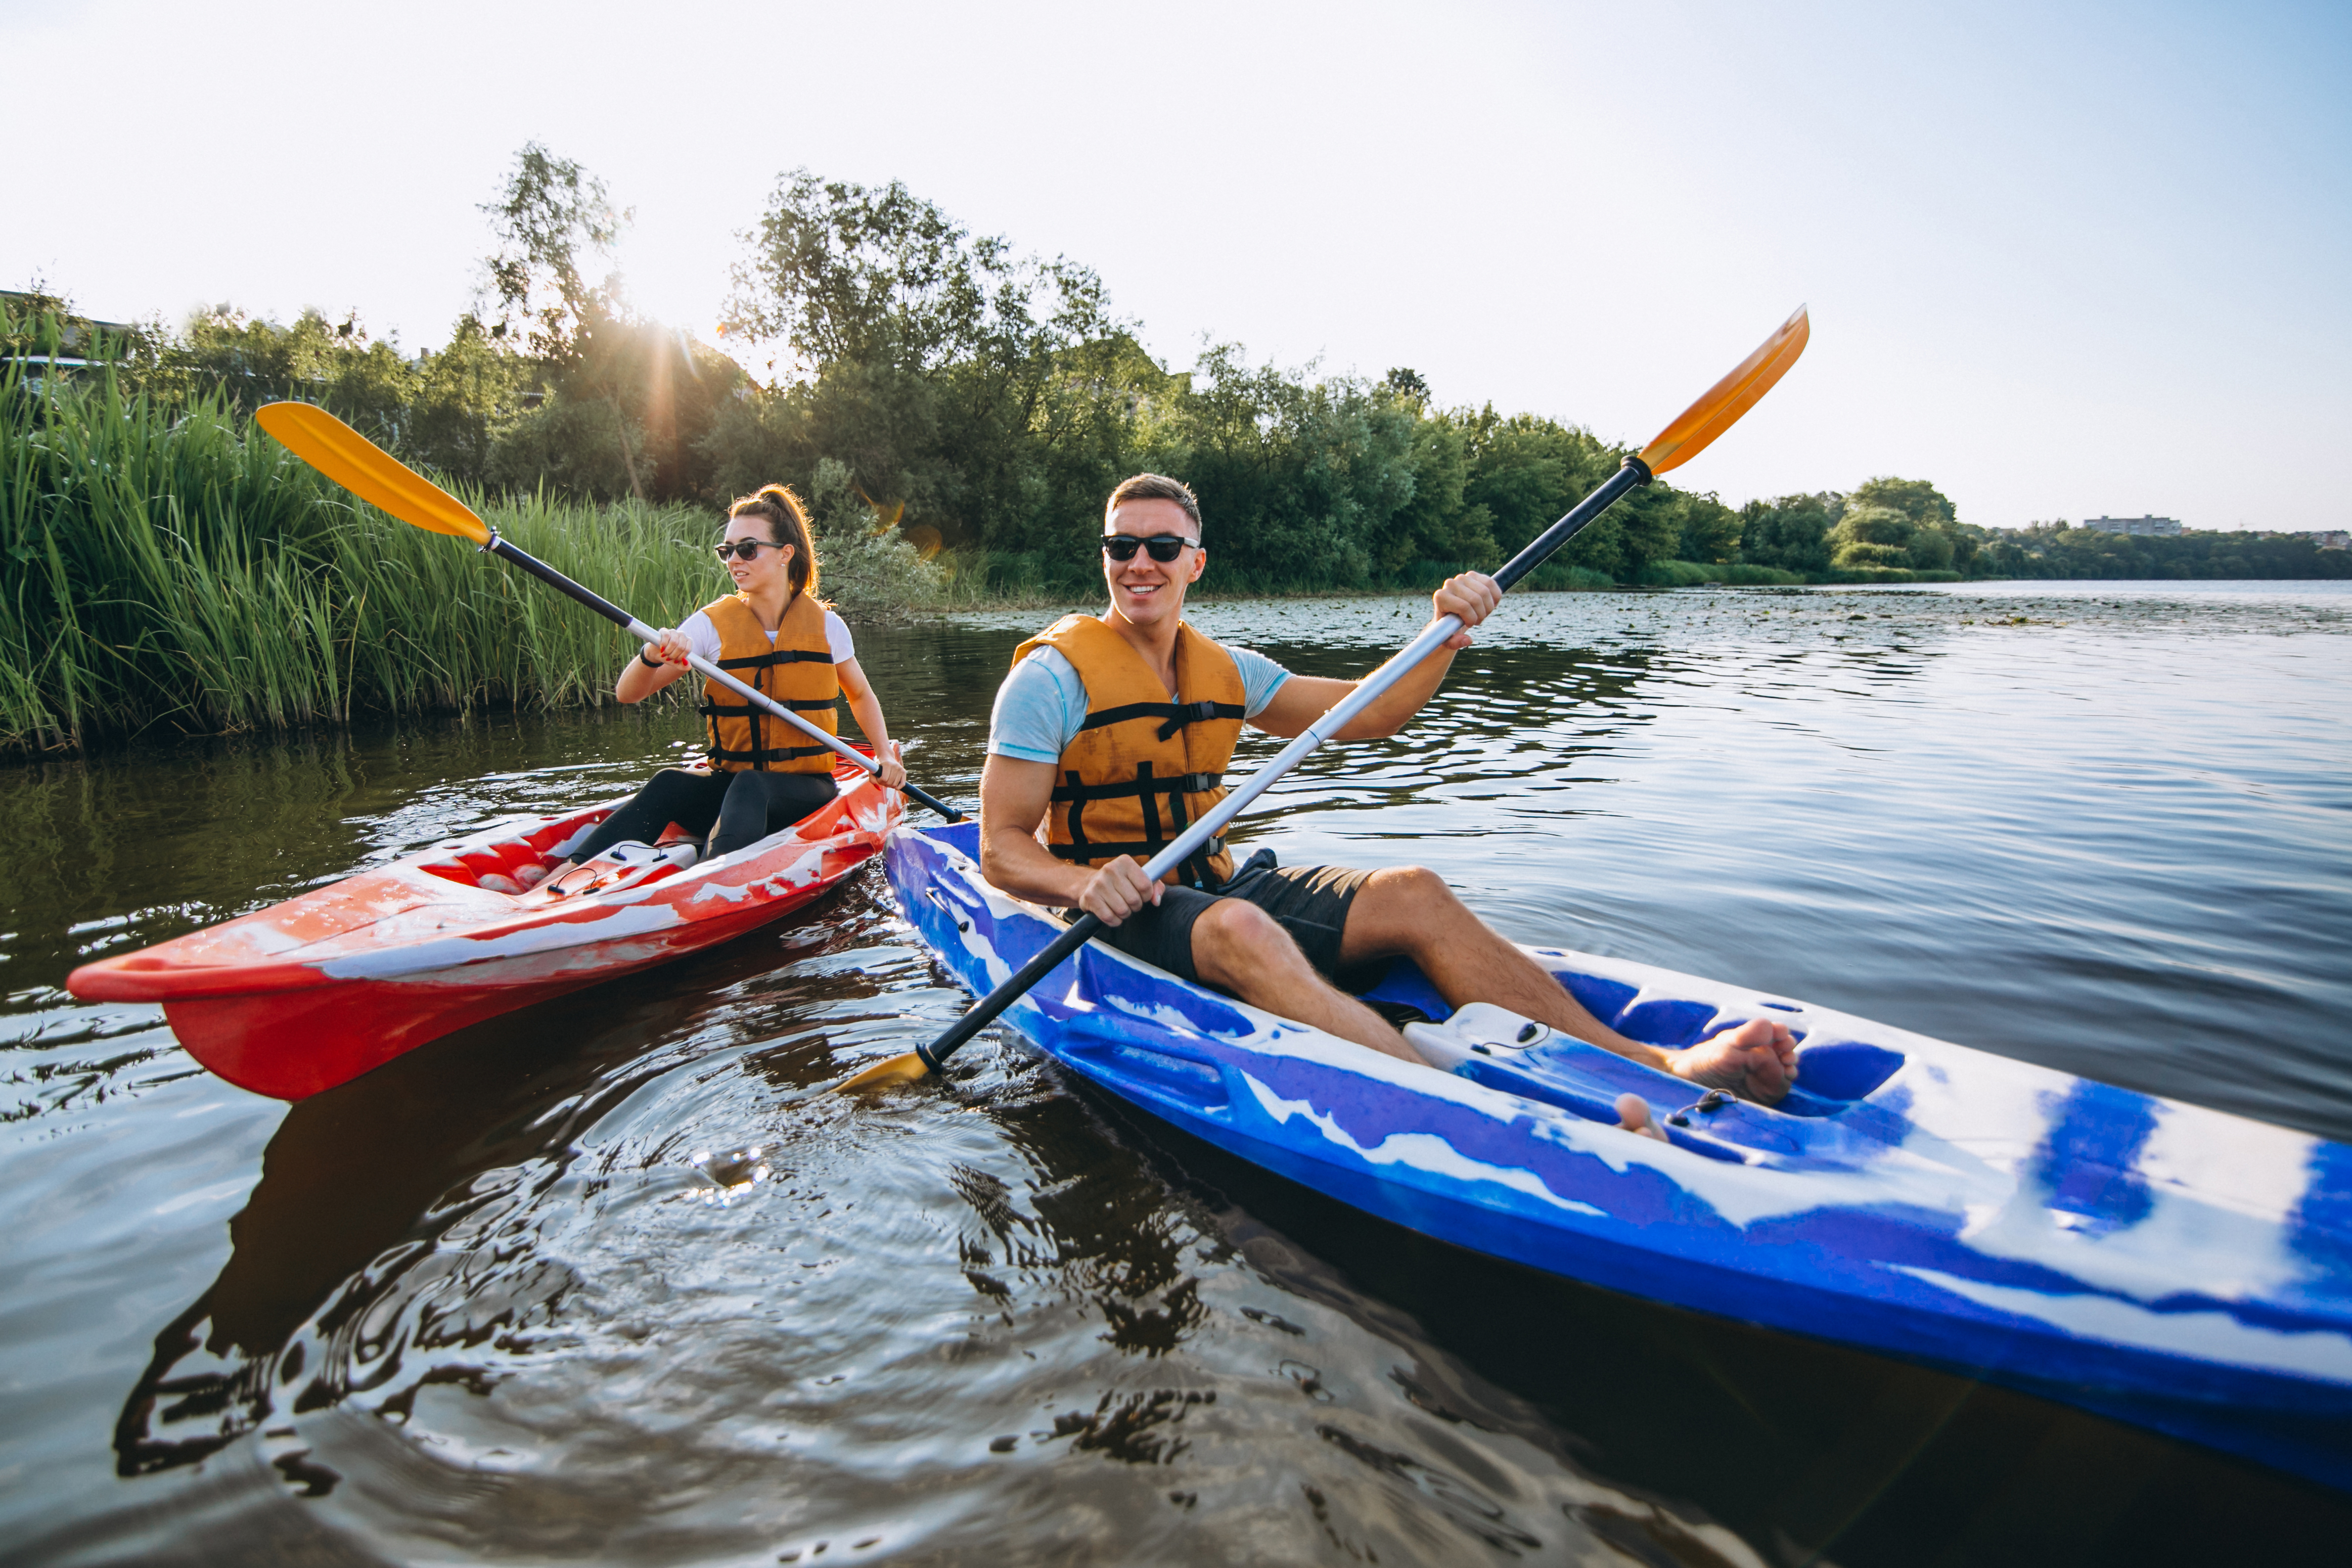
<point x="504" y="1301"/>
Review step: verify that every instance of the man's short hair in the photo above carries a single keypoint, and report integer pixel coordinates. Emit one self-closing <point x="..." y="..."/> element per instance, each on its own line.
<point x="1155" y="487"/>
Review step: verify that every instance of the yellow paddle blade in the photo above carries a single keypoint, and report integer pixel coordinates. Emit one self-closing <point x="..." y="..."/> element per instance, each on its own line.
<point x="883" y="1074"/>
<point x="368" y="471"/>
<point x="1729" y="398"/>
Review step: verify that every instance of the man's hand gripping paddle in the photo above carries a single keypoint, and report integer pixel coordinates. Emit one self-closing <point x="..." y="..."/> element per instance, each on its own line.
<point x="376" y="477"/>
<point x="1676" y="445"/>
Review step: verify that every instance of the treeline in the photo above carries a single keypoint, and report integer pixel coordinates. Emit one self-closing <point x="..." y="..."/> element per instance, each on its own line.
<point x="1905" y="530"/>
<point x="975" y="400"/>
<point x="940" y="389"/>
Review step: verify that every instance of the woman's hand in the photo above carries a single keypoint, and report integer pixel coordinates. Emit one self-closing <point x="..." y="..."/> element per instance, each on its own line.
<point x="1472" y="596"/>
<point x="894" y="765"/>
<point x="654" y="666"/>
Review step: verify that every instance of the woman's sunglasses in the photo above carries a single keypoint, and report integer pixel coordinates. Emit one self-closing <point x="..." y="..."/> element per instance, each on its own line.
<point x="1163" y="547"/>
<point x="748" y="550"/>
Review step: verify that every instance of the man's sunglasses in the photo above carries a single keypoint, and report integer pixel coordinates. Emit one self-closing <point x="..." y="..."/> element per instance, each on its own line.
<point x="1163" y="547"/>
<point x="748" y="550"/>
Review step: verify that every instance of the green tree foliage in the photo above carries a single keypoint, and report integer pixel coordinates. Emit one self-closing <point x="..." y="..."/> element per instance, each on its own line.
<point x="1936" y="540"/>
<point x="1790" y="533"/>
<point x="551" y="219"/>
<point x="1868" y="536"/>
<point x="2055" y="550"/>
<point x="984" y="390"/>
<point x="1709" y="530"/>
<point x="629" y="406"/>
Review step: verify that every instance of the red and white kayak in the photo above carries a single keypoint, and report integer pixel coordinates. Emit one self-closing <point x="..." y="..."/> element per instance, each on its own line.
<point x="310" y="993"/>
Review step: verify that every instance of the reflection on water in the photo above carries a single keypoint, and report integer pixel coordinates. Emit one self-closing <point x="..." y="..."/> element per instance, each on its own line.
<point x="593" y="1283"/>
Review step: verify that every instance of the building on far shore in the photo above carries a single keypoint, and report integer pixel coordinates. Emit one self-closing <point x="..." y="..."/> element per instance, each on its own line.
<point x="2330" y="538"/>
<point x="2133" y="525"/>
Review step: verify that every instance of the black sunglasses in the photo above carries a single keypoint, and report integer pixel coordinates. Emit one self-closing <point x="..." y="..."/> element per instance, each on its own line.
<point x="1163" y="547"/>
<point x="747" y="549"/>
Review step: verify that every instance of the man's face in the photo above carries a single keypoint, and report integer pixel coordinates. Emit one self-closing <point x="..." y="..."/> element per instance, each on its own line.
<point x="1143" y="590"/>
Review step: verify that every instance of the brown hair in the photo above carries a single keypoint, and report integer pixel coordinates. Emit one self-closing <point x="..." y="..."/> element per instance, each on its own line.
<point x="787" y="525"/>
<point x="1155" y="487"/>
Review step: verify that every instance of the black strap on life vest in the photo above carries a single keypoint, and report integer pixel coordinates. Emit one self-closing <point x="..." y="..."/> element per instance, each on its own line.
<point x="761" y="753"/>
<point x="1144" y="784"/>
<point x="731" y="710"/>
<point x="778" y="656"/>
<point x="1175" y="787"/>
<point x="1175" y="714"/>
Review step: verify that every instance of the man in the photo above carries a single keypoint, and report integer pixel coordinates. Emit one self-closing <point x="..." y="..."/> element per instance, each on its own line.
<point x="1112" y="732"/>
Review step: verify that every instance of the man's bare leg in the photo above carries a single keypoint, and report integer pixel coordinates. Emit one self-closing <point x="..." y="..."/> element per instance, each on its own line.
<point x="1410" y="910"/>
<point x="1239" y="947"/>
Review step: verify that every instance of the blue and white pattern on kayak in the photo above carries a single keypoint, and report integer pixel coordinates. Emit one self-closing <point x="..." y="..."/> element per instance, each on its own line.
<point x="2162" y="1263"/>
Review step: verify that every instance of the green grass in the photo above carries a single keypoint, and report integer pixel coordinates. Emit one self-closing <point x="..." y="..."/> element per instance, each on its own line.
<point x="159" y="568"/>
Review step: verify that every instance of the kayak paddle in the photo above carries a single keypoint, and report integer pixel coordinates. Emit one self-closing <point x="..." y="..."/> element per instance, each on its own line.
<point x="1676" y="445"/>
<point x="376" y="477"/>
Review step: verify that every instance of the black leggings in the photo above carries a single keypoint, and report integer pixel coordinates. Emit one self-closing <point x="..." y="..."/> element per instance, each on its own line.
<point x="747" y="807"/>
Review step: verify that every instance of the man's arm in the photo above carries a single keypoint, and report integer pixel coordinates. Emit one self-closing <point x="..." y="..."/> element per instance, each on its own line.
<point x="1303" y="699"/>
<point x="1013" y="798"/>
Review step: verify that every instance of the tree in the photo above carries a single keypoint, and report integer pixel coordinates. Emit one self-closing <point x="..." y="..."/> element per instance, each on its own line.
<point x="1872" y="537"/>
<point x="553" y="215"/>
<point x="1939" y="541"/>
<point x="632" y="401"/>
<point x="945" y="371"/>
<point x="1707" y="529"/>
<point x="1790" y="533"/>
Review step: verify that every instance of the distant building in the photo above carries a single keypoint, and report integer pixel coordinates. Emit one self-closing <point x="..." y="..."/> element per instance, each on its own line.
<point x="2330" y="538"/>
<point x="73" y="344"/>
<point x="2133" y="525"/>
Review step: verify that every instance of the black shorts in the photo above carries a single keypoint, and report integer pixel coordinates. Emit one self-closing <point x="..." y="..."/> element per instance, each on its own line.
<point x="1309" y="902"/>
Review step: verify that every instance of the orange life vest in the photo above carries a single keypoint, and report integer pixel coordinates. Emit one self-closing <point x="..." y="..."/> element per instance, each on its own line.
<point x="1143" y="768"/>
<point x="796" y="669"/>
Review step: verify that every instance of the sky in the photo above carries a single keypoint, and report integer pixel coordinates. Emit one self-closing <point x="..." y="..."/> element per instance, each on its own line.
<point x="2063" y="259"/>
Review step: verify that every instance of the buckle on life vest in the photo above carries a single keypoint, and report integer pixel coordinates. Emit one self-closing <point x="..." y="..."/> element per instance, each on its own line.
<point x="1187" y="713"/>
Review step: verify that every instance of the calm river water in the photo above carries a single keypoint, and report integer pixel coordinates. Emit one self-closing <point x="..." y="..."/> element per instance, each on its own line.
<point x="489" y="1304"/>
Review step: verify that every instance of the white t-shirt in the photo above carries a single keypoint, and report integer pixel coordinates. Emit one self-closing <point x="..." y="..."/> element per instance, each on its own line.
<point x="705" y="637"/>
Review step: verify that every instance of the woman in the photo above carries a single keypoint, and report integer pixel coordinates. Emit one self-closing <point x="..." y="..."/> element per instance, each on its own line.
<point x="771" y="634"/>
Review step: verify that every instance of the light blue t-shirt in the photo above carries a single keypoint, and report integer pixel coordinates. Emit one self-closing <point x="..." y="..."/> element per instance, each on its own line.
<point x="1041" y="705"/>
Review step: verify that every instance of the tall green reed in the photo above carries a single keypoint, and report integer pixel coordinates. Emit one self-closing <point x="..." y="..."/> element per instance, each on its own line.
<point x="161" y="566"/>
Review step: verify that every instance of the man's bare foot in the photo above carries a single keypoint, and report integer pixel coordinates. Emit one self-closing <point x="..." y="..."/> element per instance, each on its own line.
<point x="1755" y="1060"/>
<point x="1634" y="1115"/>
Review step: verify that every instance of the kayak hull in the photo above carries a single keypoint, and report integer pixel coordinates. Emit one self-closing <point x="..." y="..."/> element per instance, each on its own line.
<point x="291" y="1000"/>
<point x="2164" y="1264"/>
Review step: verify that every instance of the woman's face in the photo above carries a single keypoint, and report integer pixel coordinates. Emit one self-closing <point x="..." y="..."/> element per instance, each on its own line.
<point x="771" y="568"/>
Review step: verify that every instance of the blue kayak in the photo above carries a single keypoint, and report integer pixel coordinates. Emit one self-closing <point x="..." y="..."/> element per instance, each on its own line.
<point x="2164" y="1264"/>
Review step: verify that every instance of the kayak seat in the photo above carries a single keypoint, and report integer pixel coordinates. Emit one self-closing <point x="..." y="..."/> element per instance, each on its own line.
<point x="1405" y="986"/>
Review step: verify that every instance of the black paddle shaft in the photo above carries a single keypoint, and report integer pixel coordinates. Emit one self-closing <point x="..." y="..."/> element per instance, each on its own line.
<point x="983" y="1012"/>
<point x="516" y="555"/>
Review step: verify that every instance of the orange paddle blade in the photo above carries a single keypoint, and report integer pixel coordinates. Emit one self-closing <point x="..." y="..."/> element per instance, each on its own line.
<point x="368" y="471"/>
<point x="1729" y="398"/>
<point x="883" y="1074"/>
